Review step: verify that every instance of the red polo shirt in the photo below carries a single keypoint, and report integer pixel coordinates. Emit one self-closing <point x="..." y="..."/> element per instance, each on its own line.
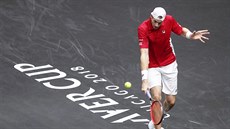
<point x="158" y="41"/>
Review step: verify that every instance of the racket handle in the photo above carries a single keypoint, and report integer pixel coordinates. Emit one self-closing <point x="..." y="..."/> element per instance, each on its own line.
<point x="149" y="95"/>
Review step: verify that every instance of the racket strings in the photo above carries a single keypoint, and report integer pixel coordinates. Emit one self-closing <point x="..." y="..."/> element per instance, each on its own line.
<point x="157" y="113"/>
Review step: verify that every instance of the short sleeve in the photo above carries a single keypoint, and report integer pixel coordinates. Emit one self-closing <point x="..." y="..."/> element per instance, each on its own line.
<point x="176" y="27"/>
<point x="143" y="38"/>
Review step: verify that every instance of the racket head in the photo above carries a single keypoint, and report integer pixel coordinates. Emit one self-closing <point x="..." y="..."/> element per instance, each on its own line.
<point x="156" y="112"/>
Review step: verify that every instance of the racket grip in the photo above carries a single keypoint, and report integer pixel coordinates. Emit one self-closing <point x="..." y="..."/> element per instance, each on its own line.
<point x="149" y="95"/>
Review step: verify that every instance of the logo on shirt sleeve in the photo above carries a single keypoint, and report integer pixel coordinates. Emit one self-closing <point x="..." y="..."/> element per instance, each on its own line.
<point x="140" y="42"/>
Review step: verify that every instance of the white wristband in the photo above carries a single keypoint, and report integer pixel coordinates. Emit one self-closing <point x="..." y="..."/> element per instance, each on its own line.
<point x="188" y="35"/>
<point x="144" y="74"/>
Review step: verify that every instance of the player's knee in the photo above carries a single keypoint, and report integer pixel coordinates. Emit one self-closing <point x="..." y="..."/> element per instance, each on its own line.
<point x="171" y="102"/>
<point x="157" y="97"/>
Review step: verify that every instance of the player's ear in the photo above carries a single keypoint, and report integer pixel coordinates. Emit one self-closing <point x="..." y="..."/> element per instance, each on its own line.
<point x="151" y="16"/>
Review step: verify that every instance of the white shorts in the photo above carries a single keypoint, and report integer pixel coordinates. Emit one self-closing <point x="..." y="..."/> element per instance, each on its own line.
<point x="165" y="76"/>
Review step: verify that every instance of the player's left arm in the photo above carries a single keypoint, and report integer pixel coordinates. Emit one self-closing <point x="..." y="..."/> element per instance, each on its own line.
<point x="195" y="35"/>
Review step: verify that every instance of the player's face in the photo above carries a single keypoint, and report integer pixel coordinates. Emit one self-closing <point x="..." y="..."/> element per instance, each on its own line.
<point x="155" y="23"/>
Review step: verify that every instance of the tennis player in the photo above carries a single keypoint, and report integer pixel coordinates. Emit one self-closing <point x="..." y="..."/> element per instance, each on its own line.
<point x="157" y="57"/>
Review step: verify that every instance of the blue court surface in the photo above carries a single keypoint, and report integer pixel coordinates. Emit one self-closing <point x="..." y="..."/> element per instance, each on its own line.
<point x="64" y="64"/>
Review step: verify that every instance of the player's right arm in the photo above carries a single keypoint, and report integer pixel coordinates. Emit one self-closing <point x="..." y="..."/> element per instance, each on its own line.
<point x="144" y="55"/>
<point x="144" y="61"/>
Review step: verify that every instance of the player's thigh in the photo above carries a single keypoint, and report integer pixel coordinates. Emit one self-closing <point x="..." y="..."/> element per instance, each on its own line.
<point x="156" y="92"/>
<point x="154" y="78"/>
<point x="169" y="79"/>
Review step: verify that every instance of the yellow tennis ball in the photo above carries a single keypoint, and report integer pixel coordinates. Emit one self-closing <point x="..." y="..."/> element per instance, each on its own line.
<point x="128" y="85"/>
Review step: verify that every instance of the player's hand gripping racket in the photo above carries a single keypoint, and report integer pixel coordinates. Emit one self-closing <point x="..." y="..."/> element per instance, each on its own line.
<point x="156" y="110"/>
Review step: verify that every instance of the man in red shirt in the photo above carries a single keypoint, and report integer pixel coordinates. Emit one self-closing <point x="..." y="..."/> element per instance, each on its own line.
<point x="158" y="60"/>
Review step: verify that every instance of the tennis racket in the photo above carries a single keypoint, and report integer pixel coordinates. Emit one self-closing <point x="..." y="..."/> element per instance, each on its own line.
<point x="156" y="110"/>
